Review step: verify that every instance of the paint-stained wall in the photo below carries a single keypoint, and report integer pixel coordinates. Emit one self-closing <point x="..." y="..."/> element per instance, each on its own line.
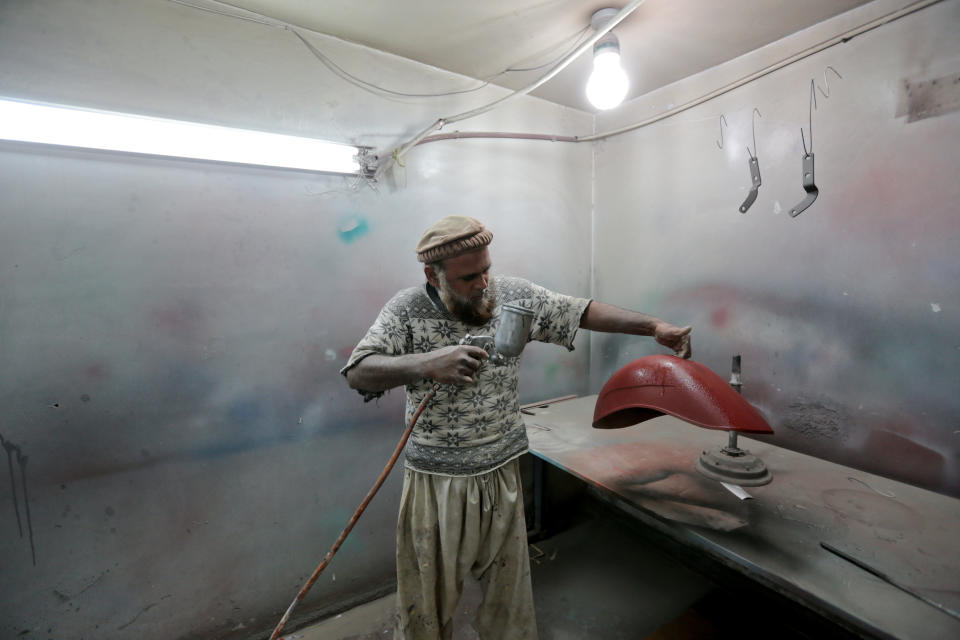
<point x="182" y="450"/>
<point x="847" y="315"/>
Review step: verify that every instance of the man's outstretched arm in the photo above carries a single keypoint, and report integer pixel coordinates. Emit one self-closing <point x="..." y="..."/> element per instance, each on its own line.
<point x="600" y="316"/>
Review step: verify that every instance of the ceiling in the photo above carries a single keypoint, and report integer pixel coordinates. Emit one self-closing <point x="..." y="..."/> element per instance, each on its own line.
<point x="661" y="42"/>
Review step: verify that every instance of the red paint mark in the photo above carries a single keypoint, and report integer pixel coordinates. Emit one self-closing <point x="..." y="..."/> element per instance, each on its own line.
<point x="179" y="319"/>
<point x="871" y="509"/>
<point x="923" y="464"/>
<point x="873" y="199"/>
<point x="720" y="317"/>
<point x="97" y="371"/>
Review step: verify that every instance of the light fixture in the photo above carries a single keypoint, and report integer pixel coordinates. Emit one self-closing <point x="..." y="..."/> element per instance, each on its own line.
<point x="92" y="129"/>
<point x="608" y="83"/>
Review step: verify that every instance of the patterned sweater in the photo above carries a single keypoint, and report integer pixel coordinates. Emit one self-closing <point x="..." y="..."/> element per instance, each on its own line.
<point x="471" y="429"/>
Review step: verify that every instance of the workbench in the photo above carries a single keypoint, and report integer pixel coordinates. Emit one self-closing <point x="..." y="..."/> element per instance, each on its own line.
<point x="908" y="534"/>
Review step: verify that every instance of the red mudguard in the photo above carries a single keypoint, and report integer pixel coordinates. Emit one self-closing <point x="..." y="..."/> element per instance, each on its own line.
<point x="654" y="385"/>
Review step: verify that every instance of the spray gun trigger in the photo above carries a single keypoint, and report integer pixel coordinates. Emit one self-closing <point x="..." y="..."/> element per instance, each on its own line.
<point x="486" y="343"/>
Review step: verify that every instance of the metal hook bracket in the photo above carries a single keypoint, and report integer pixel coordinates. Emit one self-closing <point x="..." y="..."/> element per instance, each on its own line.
<point x="808" y="185"/>
<point x="723" y="122"/>
<point x="807" y="162"/>
<point x="753" y="130"/>
<point x="826" y="81"/>
<point x="755" y="187"/>
<point x="754" y="164"/>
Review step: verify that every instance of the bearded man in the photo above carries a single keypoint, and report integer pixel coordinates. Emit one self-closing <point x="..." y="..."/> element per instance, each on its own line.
<point x="461" y="509"/>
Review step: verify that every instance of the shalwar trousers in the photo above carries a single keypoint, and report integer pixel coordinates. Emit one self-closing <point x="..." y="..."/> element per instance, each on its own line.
<point x="449" y="527"/>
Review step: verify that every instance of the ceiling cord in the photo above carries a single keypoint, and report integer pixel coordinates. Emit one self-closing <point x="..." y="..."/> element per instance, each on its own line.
<point x="817" y="48"/>
<point x="349" y="77"/>
<point x="399" y="152"/>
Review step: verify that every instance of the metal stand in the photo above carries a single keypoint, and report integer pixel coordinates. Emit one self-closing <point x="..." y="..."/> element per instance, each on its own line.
<point x="731" y="463"/>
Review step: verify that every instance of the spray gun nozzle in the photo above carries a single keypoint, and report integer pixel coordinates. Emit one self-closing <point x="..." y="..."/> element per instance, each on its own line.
<point x="511" y="338"/>
<point x="486" y="343"/>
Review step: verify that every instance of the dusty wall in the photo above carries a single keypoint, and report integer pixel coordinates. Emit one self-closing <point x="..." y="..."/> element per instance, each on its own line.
<point x="181" y="449"/>
<point x="847" y="315"/>
<point x="171" y="331"/>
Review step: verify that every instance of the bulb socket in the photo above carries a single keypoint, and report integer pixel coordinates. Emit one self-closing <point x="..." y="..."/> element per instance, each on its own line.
<point x="608" y="42"/>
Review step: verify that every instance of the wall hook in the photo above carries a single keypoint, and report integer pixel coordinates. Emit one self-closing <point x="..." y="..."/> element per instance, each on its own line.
<point x="723" y="122"/>
<point x="813" y="105"/>
<point x="754" y="163"/>
<point x="807" y="161"/>
<point x="826" y="81"/>
<point x="753" y="127"/>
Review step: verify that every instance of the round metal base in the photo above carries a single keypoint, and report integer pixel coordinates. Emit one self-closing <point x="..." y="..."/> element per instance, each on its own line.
<point x="737" y="466"/>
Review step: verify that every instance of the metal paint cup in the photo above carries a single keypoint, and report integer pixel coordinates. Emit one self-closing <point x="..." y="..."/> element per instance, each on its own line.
<point x="514" y="330"/>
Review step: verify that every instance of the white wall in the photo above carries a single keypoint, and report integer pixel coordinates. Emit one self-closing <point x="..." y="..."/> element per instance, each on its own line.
<point x="846" y="316"/>
<point x="171" y="331"/>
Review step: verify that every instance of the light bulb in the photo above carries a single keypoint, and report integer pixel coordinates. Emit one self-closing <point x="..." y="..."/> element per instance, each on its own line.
<point x="608" y="83"/>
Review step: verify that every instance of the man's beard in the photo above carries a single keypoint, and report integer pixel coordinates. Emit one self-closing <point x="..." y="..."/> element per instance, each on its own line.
<point x="474" y="312"/>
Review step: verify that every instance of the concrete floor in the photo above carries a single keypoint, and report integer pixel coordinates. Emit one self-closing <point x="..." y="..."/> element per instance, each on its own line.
<point x="594" y="580"/>
<point x="599" y="574"/>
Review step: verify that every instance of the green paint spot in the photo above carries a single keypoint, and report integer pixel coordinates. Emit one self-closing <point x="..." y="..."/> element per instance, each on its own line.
<point x="550" y="373"/>
<point x="351" y="228"/>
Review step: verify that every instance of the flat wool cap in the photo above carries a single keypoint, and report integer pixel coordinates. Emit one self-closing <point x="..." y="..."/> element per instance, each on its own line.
<point x="451" y="236"/>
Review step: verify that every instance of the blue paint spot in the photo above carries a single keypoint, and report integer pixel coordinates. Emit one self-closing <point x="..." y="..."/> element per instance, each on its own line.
<point x="351" y="228"/>
<point x="245" y="411"/>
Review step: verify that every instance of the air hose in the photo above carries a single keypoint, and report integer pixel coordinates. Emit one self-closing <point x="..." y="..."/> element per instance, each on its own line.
<point x="356" y="515"/>
<point x="512" y="336"/>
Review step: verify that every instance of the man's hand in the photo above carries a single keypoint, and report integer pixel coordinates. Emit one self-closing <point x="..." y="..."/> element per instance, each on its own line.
<point x="677" y="338"/>
<point x="455" y="364"/>
<point x="600" y="316"/>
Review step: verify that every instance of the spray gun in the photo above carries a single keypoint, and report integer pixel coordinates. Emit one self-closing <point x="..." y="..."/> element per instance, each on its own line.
<point x="509" y="341"/>
<point x="511" y="336"/>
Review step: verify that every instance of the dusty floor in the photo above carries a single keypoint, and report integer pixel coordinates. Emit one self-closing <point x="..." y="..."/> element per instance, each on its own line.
<point x="592" y="581"/>
<point x="601" y="579"/>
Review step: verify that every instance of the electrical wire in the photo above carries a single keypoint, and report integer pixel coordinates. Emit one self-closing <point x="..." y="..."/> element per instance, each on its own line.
<point x="460" y="135"/>
<point x="398" y="153"/>
<point x="223" y="13"/>
<point x="369" y="86"/>
<point x="323" y="58"/>
<point x="817" y="48"/>
<point x="578" y="41"/>
<point x="353" y="186"/>
<point x="351" y="78"/>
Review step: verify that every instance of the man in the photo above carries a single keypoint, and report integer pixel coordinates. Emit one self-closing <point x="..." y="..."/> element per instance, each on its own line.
<point x="461" y="509"/>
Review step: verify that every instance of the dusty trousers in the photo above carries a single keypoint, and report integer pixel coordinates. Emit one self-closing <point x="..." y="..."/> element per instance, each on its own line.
<point x="449" y="526"/>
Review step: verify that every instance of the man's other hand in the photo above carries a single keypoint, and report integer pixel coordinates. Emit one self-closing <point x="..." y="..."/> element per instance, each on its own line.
<point x="677" y="338"/>
<point x="456" y="364"/>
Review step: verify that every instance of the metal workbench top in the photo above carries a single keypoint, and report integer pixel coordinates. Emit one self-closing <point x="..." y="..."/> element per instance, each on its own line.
<point x="907" y="533"/>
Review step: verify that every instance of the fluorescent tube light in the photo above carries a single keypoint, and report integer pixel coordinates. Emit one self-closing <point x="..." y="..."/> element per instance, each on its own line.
<point x="73" y="127"/>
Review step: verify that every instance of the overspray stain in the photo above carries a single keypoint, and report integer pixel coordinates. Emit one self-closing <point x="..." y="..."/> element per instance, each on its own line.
<point x="245" y="411"/>
<point x="142" y="611"/>
<point x="719" y="317"/>
<point x="551" y="372"/>
<point x="97" y="371"/>
<point x="351" y="228"/>
<point x="14" y="453"/>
